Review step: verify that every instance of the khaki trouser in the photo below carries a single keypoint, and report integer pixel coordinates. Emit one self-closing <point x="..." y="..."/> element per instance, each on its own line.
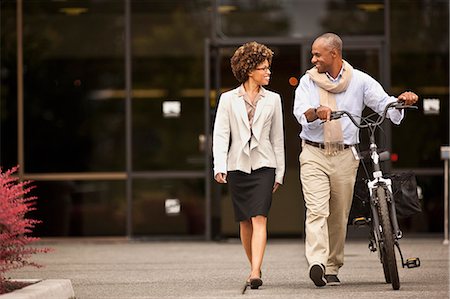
<point x="327" y="183"/>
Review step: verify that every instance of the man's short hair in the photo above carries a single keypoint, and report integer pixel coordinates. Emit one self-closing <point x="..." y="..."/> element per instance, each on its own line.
<point x="332" y="40"/>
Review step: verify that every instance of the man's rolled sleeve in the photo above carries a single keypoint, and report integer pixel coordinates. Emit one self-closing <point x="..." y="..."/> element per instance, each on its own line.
<point x="303" y="102"/>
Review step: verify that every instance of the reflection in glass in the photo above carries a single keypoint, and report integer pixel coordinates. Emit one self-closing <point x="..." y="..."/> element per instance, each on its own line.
<point x="69" y="60"/>
<point x="306" y="18"/>
<point x="155" y="201"/>
<point x="420" y="60"/>
<point x="80" y="208"/>
<point x="168" y="143"/>
<point x="168" y="68"/>
<point x="74" y="97"/>
<point x="8" y="88"/>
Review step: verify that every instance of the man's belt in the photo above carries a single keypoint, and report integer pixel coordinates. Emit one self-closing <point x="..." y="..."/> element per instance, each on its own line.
<point x="321" y="145"/>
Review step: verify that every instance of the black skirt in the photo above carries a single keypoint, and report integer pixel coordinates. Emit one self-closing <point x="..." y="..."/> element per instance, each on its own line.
<point x="251" y="193"/>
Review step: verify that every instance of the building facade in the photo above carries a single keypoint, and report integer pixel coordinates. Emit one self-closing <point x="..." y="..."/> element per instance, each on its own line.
<point x="108" y="105"/>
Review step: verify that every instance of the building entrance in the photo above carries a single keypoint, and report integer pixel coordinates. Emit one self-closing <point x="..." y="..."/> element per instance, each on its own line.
<point x="291" y="60"/>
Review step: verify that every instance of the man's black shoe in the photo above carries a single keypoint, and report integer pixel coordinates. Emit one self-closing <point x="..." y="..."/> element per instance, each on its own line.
<point x="316" y="273"/>
<point x="332" y="280"/>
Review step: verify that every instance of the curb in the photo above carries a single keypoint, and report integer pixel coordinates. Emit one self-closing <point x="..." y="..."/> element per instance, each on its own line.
<point x="47" y="288"/>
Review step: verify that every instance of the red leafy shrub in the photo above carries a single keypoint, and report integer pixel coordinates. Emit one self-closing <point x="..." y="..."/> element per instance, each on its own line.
<point x="15" y="202"/>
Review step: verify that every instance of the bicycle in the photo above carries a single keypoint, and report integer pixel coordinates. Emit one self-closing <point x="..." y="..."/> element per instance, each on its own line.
<point x="384" y="231"/>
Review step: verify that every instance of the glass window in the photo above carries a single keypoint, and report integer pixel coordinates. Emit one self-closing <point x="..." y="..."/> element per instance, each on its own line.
<point x="8" y="87"/>
<point x="419" y="45"/>
<point x="432" y="217"/>
<point x="168" y="207"/>
<point x="167" y="140"/>
<point x="80" y="208"/>
<point x="73" y="86"/>
<point x="303" y="18"/>
<point x="168" y="79"/>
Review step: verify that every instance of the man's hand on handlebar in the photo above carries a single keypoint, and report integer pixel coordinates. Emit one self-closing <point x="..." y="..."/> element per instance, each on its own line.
<point x="336" y="115"/>
<point x="323" y="113"/>
<point x="367" y="121"/>
<point x="405" y="100"/>
<point x="408" y="97"/>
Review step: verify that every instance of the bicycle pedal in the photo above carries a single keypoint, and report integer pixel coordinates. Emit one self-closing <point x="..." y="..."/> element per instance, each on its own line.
<point x="360" y="221"/>
<point x="412" y="262"/>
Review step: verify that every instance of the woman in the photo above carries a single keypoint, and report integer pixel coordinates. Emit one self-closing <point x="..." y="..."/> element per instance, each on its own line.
<point x="248" y="149"/>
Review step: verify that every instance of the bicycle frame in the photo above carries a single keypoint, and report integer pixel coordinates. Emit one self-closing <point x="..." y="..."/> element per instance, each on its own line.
<point x="385" y="231"/>
<point x="386" y="183"/>
<point x="377" y="173"/>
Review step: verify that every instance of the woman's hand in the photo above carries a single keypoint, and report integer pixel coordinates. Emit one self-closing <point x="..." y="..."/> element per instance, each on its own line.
<point x="275" y="187"/>
<point x="221" y="178"/>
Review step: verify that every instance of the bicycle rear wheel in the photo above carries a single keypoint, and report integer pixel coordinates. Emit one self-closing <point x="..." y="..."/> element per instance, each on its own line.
<point x="388" y="244"/>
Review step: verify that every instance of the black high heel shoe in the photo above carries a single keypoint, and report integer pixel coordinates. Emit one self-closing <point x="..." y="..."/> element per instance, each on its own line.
<point x="255" y="283"/>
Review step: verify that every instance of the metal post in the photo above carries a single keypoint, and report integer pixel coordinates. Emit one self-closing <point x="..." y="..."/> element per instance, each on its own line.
<point x="445" y="155"/>
<point x="446" y="202"/>
<point x="446" y="175"/>
<point x="20" y="128"/>
<point x="128" y="130"/>
<point x="207" y="105"/>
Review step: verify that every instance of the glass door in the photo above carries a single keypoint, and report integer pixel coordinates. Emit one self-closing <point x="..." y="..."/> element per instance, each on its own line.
<point x="289" y="64"/>
<point x="167" y="121"/>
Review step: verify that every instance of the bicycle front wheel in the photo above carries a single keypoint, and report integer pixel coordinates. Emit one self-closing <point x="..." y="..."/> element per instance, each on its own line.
<point x="388" y="242"/>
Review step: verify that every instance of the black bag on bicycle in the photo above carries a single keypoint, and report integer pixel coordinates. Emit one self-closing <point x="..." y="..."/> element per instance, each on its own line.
<point x="404" y="188"/>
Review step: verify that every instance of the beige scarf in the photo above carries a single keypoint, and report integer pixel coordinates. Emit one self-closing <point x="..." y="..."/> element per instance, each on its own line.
<point x="332" y="130"/>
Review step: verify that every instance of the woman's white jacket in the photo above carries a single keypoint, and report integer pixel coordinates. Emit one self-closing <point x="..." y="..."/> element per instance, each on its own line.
<point x="237" y="147"/>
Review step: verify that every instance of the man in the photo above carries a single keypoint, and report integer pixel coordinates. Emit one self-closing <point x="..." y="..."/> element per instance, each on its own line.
<point x="328" y="165"/>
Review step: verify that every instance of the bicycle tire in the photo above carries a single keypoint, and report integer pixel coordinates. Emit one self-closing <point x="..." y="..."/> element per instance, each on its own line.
<point x="388" y="249"/>
<point x="384" y="262"/>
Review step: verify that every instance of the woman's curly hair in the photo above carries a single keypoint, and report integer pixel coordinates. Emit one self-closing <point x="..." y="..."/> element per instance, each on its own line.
<point x="247" y="57"/>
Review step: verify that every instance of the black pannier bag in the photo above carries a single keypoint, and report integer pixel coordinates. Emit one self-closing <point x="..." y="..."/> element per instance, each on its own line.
<point x="404" y="188"/>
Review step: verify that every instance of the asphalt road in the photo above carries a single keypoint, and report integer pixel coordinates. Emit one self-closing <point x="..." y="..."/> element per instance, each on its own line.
<point x="119" y="268"/>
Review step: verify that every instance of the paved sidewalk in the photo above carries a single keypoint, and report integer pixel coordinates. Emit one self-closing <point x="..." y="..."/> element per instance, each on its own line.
<point x="117" y="268"/>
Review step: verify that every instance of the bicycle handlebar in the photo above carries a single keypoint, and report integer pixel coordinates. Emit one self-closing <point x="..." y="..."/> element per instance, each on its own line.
<point x="397" y="105"/>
